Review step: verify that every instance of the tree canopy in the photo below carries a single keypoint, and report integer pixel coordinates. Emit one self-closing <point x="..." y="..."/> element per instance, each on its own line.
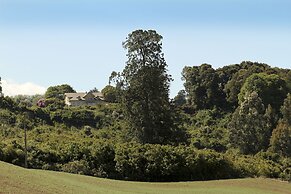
<point x="58" y="91"/>
<point x="55" y="95"/>
<point x="248" y="128"/>
<point x="110" y="93"/>
<point x="271" y="89"/>
<point x="202" y="86"/>
<point x="146" y="88"/>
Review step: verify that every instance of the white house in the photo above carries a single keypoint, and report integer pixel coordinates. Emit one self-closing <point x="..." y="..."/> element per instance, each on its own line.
<point x="83" y="99"/>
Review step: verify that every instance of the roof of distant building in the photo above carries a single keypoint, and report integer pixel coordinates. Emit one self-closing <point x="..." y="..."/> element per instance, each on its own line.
<point x="82" y="95"/>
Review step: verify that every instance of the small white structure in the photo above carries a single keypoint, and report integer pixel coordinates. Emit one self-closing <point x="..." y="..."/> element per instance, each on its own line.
<point x="83" y="99"/>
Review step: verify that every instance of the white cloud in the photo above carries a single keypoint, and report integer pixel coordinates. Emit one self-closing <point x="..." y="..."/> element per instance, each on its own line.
<point x="11" y="88"/>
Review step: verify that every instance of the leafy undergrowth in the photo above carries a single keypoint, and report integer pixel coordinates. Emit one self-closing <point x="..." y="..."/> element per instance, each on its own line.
<point x="14" y="179"/>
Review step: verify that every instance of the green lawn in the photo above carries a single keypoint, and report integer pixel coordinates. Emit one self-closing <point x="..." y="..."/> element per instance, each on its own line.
<point x="15" y="179"/>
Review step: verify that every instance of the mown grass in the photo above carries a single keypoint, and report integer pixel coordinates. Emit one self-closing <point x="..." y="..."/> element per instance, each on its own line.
<point x="15" y="179"/>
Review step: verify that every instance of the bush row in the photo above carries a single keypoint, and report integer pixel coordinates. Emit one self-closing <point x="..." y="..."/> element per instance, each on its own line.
<point x="132" y="161"/>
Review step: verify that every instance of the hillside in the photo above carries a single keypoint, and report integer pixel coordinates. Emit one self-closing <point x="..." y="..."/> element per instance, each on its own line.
<point x="15" y="179"/>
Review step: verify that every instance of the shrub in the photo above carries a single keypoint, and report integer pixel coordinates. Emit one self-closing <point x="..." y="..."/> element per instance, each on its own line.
<point x="7" y="117"/>
<point x="13" y="154"/>
<point x="209" y="138"/>
<point x="286" y="169"/>
<point x="77" y="167"/>
<point x="73" y="152"/>
<point x="43" y="158"/>
<point x="169" y="163"/>
<point x="102" y="159"/>
<point x="256" y="166"/>
<point x="1" y="151"/>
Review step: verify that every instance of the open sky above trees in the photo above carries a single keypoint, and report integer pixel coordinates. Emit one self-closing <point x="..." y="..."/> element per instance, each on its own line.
<point x="45" y="43"/>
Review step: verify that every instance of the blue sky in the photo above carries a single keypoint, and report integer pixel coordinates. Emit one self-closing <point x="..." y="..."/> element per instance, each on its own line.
<point x="50" y="42"/>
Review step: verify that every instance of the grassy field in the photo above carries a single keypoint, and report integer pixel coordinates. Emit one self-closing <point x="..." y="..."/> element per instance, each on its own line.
<point x="15" y="179"/>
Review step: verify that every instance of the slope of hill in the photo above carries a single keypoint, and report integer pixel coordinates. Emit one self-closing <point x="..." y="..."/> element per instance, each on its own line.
<point x="15" y="179"/>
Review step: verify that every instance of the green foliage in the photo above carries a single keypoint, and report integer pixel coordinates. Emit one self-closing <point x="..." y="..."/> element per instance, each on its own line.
<point x="70" y="151"/>
<point x="8" y="103"/>
<point x="110" y="94"/>
<point x="270" y="88"/>
<point x="281" y="139"/>
<point x="24" y="120"/>
<point x="169" y="163"/>
<point x="77" y="167"/>
<point x="286" y="169"/>
<point x="13" y="153"/>
<point x="55" y="96"/>
<point x="204" y="139"/>
<point x="248" y="128"/>
<point x="43" y="158"/>
<point x="208" y="138"/>
<point x="202" y="87"/>
<point x="208" y="129"/>
<point x="7" y="117"/>
<point x="41" y="115"/>
<point x="255" y="166"/>
<point x="288" y="80"/>
<point x="58" y="91"/>
<point x="233" y="86"/>
<point x="102" y="159"/>
<point x="83" y="116"/>
<point x="205" y="118"/>
<point x="226" y="73"/>
<point x="26" y="100"/>
<point x="180" y="99"/>
<point x="53" y="104"/>
<point x="286" y="109"/>
<point x="145" y="97"/>
<point x="272" y="117"/>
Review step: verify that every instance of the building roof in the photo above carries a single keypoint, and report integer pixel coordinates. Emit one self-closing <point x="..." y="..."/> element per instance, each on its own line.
<point x="82" y="95"/>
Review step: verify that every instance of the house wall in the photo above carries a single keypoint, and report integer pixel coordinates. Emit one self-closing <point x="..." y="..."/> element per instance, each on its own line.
<point x="83" y="99"/>
<point x="77" y="103"/>
<point x="84" y="103"/>
<point x="67" y="101"/>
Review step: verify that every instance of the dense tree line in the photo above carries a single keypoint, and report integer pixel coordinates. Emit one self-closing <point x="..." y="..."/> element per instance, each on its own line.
<point x="253" y="93"/>
<point x="230" y="122"/>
